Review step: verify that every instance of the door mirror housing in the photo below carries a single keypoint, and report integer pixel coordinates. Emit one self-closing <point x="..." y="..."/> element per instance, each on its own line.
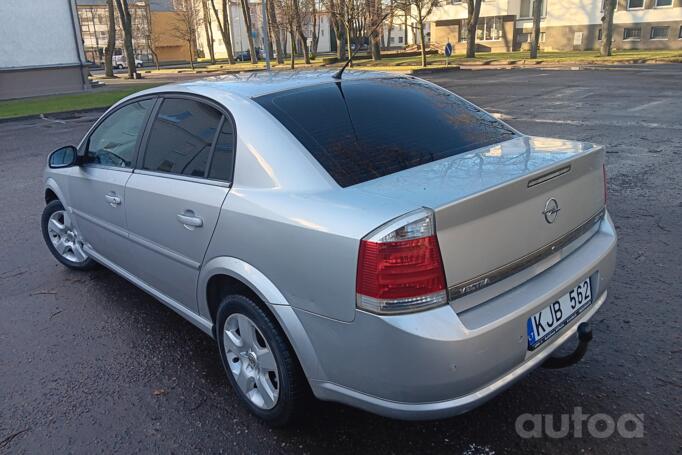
<point x="63" y="157"/>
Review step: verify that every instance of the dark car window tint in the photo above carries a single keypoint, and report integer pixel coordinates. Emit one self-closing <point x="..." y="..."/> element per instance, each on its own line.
<point x="223" y="156"/>
<point x="363" y="129"/>
<point x="181" y="137"/>
<point x="113" y="142"/>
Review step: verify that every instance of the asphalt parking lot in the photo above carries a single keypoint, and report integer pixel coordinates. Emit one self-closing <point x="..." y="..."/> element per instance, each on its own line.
<point x="91" y="364"/>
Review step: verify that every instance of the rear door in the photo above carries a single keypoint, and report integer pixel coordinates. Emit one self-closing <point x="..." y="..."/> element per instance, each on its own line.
<point x="97" y="187"/>
<point x="175" y="195"/>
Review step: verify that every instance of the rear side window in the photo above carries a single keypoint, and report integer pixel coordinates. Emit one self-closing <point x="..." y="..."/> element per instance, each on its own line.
<point x="364" y="129"/>
<point x="181" y="138"/>
<point x="223" y="155"/>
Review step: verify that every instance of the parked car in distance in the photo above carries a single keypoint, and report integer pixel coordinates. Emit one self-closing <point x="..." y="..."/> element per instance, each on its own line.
<point x="120" y="62"/>
<point x="243" y="56"/>
<point x="376" y="241"/>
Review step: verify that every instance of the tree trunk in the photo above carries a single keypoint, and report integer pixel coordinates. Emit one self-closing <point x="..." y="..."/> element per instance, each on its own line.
<point x="191" y="56"/>
<point x="224" y="27"/>
<point x="208" y="29"/>
<point x="316" y="34"/>
<point x="422" y="38"/>
<point x="127" y="25"/>
<point x="299" y="31"/>
<point x="349" y="43"/>
<point x="473" y="13"/>
<point x="246" y="13"/>
<point x="607" y="28"/>
<point x="274" y="31"/>
<point x="111" y="41"/>
<point x="293" y="46"/>
<point x="406" y="34"/>
<point x="537" y="15"/>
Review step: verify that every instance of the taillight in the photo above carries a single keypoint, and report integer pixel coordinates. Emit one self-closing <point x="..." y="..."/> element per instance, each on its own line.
<point x="400" y="268"/>
<point x="606" y="191"/>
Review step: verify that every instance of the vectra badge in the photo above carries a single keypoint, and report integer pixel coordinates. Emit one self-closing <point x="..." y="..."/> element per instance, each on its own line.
<point x="551" y="210"/>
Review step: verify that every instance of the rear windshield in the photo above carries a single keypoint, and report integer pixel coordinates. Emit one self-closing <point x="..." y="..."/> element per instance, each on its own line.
<point x="364" y="129"/>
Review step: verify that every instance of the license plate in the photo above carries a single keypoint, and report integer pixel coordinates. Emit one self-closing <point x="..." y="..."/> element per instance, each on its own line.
<point x="550" y="320"/>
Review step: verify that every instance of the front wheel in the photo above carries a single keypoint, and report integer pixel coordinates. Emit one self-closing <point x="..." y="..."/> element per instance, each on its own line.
<point x="259" y="361"/>
<point x="62" y="238"/>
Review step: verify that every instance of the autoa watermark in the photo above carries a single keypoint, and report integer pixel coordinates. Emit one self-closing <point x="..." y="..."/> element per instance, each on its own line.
<point x="579" y="425"/>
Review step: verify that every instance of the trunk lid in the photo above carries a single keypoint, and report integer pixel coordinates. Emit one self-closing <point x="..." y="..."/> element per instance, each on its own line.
<point x="489" y="203"/>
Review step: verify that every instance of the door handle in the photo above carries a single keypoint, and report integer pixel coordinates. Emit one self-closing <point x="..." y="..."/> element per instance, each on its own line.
<point x="190" y="220"/>
<point x="112" y="199"/>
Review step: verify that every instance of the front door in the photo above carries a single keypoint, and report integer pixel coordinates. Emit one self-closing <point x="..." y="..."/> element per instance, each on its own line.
<point x="97" y="187"/>
<point x="174" y="199"/>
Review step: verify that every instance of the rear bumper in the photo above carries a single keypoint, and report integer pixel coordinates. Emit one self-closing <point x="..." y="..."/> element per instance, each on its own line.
<point x="440" y="362"/>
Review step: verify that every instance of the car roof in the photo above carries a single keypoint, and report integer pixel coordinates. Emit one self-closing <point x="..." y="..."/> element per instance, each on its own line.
<point x="254" y="84"/>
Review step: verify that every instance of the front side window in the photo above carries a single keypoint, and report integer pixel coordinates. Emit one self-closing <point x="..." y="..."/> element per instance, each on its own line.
<point x="114" y="141"/>
<point x="181" y="138"/>
<point x="659" y="32"/>
<point x="632" y="33"/>
<point x="365" y="129"/>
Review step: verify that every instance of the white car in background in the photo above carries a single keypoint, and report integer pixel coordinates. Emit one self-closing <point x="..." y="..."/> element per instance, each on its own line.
<point x="120" y="62"/>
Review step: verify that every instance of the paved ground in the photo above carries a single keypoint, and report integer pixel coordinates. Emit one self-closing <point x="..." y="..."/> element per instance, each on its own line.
<point x="89" y="363"/>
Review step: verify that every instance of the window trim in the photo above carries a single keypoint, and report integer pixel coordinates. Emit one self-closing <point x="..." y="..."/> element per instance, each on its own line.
<point x="82" y="147"/>
<point x="667" y="35"/>
<point x="226" y="116"/>
<point x="639" y="38"/>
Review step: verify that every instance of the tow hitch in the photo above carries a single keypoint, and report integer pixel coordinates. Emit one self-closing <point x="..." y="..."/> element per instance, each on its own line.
<point x="584" y="338"/>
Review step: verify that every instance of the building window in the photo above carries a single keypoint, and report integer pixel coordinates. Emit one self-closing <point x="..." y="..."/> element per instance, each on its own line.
<point x="400" y="40"/>
<point x="663" y="3"/>
<point x="632" y="34"/>
<point x="527" y="9"/>
<point x="488" y="29"/>
<point x="635" y="4"/>
<point x="392" y="41"/>
<point x="659" y="32"/>
<point x="680" y="34"/>
<point x="599" y="35"/>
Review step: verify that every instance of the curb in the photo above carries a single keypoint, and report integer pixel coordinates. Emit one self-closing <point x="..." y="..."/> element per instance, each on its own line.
<point x="64" y="115"/>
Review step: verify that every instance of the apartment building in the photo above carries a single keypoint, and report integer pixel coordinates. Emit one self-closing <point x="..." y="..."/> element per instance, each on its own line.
<point x="506" y="25"/>
<point x="40" y="49"/>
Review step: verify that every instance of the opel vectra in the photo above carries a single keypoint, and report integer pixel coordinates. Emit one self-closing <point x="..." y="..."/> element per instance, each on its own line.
<point x="376" y="241"/>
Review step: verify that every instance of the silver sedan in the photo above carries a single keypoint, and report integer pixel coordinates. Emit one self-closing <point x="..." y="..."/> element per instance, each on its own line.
<point x="375" y="240"/>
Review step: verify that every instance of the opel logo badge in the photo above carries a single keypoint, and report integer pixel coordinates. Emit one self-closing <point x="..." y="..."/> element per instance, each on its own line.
<point x="551" y="210"/>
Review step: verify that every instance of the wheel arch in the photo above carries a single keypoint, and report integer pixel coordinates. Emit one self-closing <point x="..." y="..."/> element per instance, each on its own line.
<point x="224" y="275"/>
<point x="53" y="192"/>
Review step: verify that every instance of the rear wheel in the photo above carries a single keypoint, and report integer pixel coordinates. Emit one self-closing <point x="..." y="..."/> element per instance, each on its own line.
<point x="62" y="238"/>
<point x="259" y="362"/>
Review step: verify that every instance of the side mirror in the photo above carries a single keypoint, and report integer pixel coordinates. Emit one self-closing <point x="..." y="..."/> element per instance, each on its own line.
<point x="63" y="157"/>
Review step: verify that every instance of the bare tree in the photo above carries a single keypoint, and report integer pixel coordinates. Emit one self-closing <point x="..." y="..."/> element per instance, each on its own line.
<point x="111" y="40"/>
<point x="188" y="21"/>
<point x="246" y="13"/>
<point x="127" y="25"/>
<point x="224" y="26"/>
<point x="298" y="24"/>
<point x="337" y="26"/>
<point x="419" y="11"/>
<point x="275" y="35"/>
<point x="373" y="10"/>
<point x="151" y="37"/>
<point x="607" y="27"/>
<point x="208" y="29"/>
<point x="473" y="13"/>
<point x="537" y="15"/>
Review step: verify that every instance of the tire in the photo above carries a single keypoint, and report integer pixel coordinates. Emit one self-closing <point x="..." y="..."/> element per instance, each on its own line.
<point x="73" y="255"/>
<point x="290" y="383"/>
<point x="139" y="65"/>
<point x="119" y="66"/>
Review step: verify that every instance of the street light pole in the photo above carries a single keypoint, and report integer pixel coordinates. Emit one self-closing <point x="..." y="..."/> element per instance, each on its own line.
<point x="266" y="38"/>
